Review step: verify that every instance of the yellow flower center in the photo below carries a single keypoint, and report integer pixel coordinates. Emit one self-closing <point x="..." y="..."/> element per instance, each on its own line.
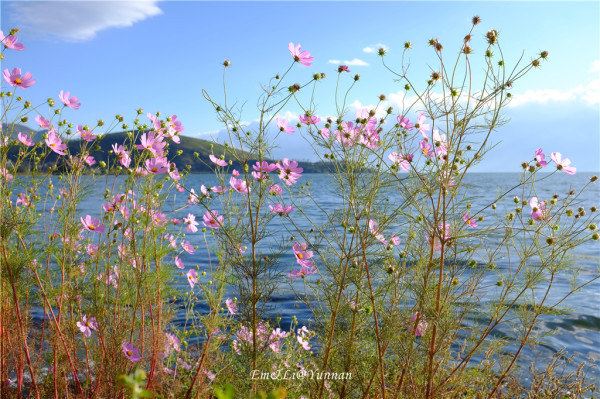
<point x="18" y="81"/>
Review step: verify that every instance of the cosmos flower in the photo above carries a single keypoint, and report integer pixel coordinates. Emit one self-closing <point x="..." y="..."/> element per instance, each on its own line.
<point x="401" y="160"/>
<point x="262" y="169"/>
<point x="308" y="119"/>
<point x="281" y="210"/>
<point x="421" y="325"/>
<point x="5" y="174"/>
<point x="421" y="126"/>
<point x="343" y="68"/>
<point x="54" y="142"/>
<point x="192" y="277"/>
<point x="85" y="134"/>
<point x="289" y="171"/>
<point x="302" y="254"/>
<point x="212" y="219"/>
<point x="239" y="185"/>
<point x="469" y="221"/>
<point x="11" y="42"/>
<point x="179" y="262"/>
<point x="42" y="122"/>
<point x="131" y="352"/>
<point x="231" y="306"/>
<point x="92" y="224"/>
<point x="299" y="55"/>
<point x="25" y="139"/>
<point x="540" y="158"/>
<point x="275" y="189"/>
<point x="122" y="155"/>
<point x="325" y="133"/>
<point x="190" y="222"/>
<point x="563" y="164"/>
<point x="217" y="161"/>
<point x="404" y="122"/>
<point x="172" y="343"/>
<point x="16" y="79"/>
<point x="284" y="126"/>
<point x="157" y="166"/>
<point x="87" y="325"/>
<point x="538" y="209"/>
<point x="188" y="247"/>
<point x="69" y="100"/>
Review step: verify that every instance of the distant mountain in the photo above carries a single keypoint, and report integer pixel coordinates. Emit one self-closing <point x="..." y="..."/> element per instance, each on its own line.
<point x="188" y="147"/>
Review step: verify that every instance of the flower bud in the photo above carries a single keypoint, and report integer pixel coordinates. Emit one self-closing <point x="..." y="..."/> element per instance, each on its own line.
<point x="226" y="63"/>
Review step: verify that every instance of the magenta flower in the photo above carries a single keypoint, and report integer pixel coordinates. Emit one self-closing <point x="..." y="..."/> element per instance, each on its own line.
<point x="343" y="68"/>
<point x="421" y="326"/>
<point x="86" y="135"/>
<point x="179" y="262"/>
<point x="231" y="306"/>
<point x="469" y="221"/>
<point x="348" y="134"/>
<point x="54" y="142"/>
<point x="308" y="119"/>
<point x="563" y="164"/>
<point x="281" y="210"/>
<point x="22" y="199"/>
<point x="92" y="224"/>
<point x="404" y="122"/>
<point x="153" y="143"/>
<point x="262" y="170"/>
<point x="69" y="100"/>
<point x="87" y="325"/>
<point x="299" y="55"/>
<point x="42" y="122"/>
<point x="89" y="160"/>
<point x="426" y="148"/>
<point x="172" y="343"/>
<point x="303" y="271"/>
<point x="192" y="277"/>
<point x="188" y="247"/>
<point x="302" y="254"/>
<point x="325" y="133"/>
<point x="421" y="126"/>
<point x="212" y="219"/>
<point x="289" y="171"/>
<point x="538" y="209"/>
<point x="275" y="189"/>
<point x="157" y="166"/>
<point x="16" y="79"/>
<point x="217" y="161"/>
<point x="401" y="160"/>
<point x="11" y="42"/>
<point x="284" y="126"/>
<point x="122" y="155"/>
<point x="540" y="158"/>
<point x="239" y="185"/>
<point x="190" y="222"/>
<point x="131" y="352"/>
<point x="25" y="139"/>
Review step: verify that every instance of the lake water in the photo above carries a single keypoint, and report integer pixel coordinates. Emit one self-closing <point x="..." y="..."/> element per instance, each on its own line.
<point x="577" y="332"/>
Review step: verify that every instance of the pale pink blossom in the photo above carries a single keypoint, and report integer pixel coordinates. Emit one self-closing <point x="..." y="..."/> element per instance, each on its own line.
<point x="540" y="158"/>
<point x="299" y="55"/>
<point x="192" y="277"/>
<point x="309" y="119"/>
<point x="284" y="126"/>
<point x="239" y="185"/>
<point x="131" y="352"/>
<point x="87" y="325"/>
<point x="89" y="160"/>
<point x="54" y="142"/>
<point x="289" y="171"/>
<point x="231" y="306"/>
<point x="25" y="139"/>
<point x="69" y="100"/>
<point x="469" y="221"/>
<point x="212" y="219"/>
<point x="11" y="42"/>
<point x="190" y="222"/>
<point x="281" y="210"/>
<point x="217" y="161"/>
<point x="42" y="122"/>
<point x="421" y="126"/>
<point x="92" y="224"/>
<point x="538" y="209"/>
<point x="262" y="169"/>
<point x="275" y="189"/>
<point x="157" y="165"/>
<point x="421" y="326"/>
<point x="404" y="122"/>
<point x="188" y="247"/>
<point x="179" y="262"/>
<point x="17" y="79"/>
<point x="325" y="133"/>
<point x="403" y="161"/>
<point x="86" y="134"/>
<point x="563" y="164"/>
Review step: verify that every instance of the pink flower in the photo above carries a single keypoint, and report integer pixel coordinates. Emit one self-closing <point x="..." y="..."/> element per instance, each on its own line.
<point x="235" y="173"/>
<point x="421" y="126"/>
<point x="348" y="134"/>
<point x="87" y="325"/>
<point x="436" y="238"/>
<point x="262" y="170"/>
<point x="421" y="326"/>
<point x="302" y="254"/>
<point x="563" y="164"/>
<point x="192" y="277"/>
<point x="85" y="134"/>
<point x="404" y="122"/>
<point x="122" y="155"/>
<point x="343" y="68"/>
<point x="469" y="221"/>
<point x="16" y="79"/>
<point x="131" y="352"/>
<point x="54" y="142"/>
<point x="172" y="343"/>
<point x="6" y="174"/>
<point x="299" y="55"/>
<point x="275" y="189"/>
<point x="395" y="240"/>
<point x="540" y="158"/>
<point x="303" y="336"/>
<point x="25" y="139"/>
<point x="22" y="199"/>
<point x="11" y="42"/>
<point x="402" y="160"/>
<point x="69" y="100"/>
<point x="92" y="249"/>
<point x="92" y="224"/>
<point x="374" y="229"/>
<point x="426" y="148"/>
<point x="157" y="166"/>
<point x="238" y="185"/>
<point x="153" y="143"/>
<point x="178" y="262"/>
<point x="231" y="306"/>
<point x="42" y="122"/>
<point x="190" y="222"/>
<point x="217" y="161"/>
<point x="284" y="126"/>
<point x="538" y="209"/>
<point x="289" y="171"/>
<point x="212" y="219"/>
<point x="308" y="119"/>
<point x="303" y="271"/>
<point x="188" y="247"/>
<point x="89" y="160"/>
<point x="325" y="133"/>
<point x="281" y="210"/>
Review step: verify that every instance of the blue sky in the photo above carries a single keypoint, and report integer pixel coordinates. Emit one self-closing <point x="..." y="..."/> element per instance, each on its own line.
<point x="118" y="56"/>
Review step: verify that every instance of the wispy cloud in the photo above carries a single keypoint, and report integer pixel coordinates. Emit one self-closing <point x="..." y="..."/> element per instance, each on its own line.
<point x="374" y="48"/>
<point x="79" y="20"/>
<point x="352" y="62"/>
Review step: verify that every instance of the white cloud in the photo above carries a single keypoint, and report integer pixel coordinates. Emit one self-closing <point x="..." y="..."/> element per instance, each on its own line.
<point x="352" y="62"/>
<point x="80" y="20"/>
<point x="374" y="48"/>
<point x="595" y="67"/>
